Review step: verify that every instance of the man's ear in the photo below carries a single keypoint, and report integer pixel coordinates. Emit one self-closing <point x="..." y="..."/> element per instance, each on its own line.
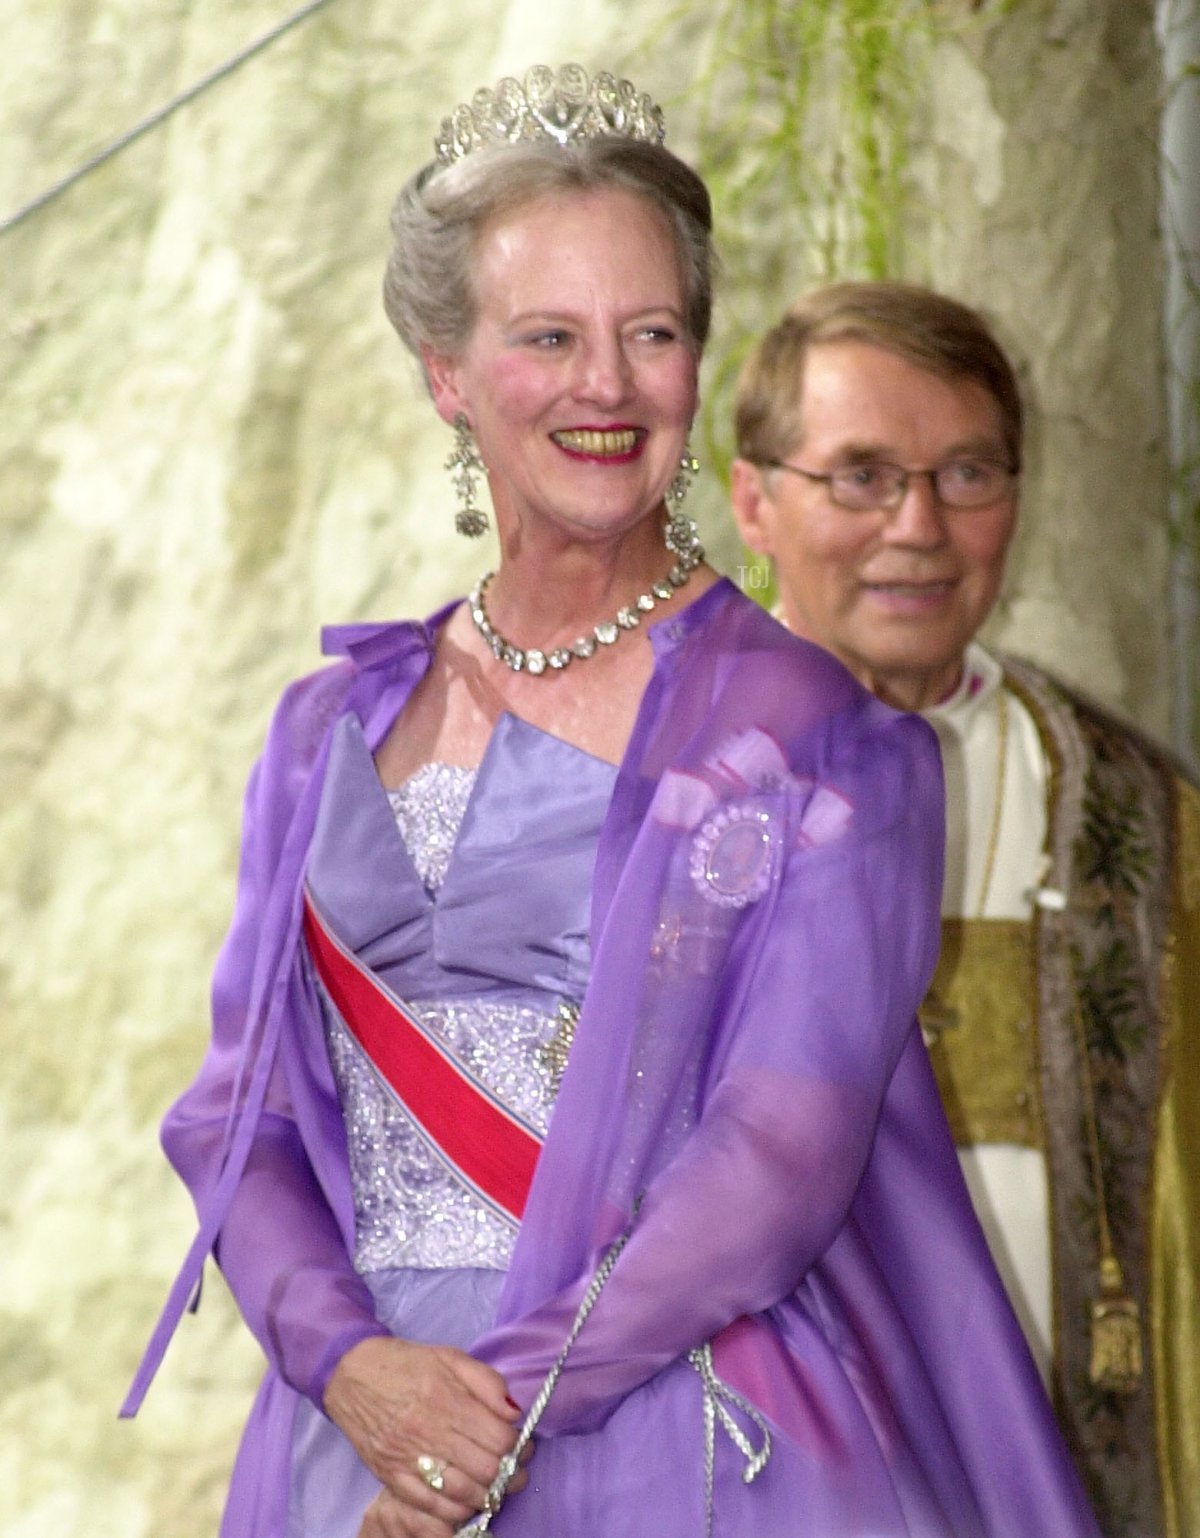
<point x="441" y="370"/>
<point x="753" y="506"/>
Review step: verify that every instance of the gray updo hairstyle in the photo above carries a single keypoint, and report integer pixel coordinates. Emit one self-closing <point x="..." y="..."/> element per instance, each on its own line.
<point x="440" y="212"/>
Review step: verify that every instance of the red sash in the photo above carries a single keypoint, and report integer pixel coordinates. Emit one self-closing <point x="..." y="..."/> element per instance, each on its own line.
<point x="489" y="1148"/>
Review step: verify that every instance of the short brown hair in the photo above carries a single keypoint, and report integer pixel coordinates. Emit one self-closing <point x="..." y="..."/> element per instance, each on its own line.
<point x="925" y="328"/>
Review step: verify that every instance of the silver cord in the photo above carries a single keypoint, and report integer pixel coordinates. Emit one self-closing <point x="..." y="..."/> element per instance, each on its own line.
<point x="719" y="1401"/>
<point x="511" y="1461"/>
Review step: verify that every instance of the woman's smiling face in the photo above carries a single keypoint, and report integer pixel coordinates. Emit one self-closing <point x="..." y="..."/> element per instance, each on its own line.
<point x="579" y="378"/>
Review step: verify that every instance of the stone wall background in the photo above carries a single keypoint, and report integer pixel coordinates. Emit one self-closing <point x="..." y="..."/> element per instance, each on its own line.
<point x="1045" y="146"/>
<point x="210" y="443"/>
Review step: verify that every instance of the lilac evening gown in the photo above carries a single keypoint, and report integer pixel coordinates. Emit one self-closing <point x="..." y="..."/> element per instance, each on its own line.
<point x="423" y="884"/>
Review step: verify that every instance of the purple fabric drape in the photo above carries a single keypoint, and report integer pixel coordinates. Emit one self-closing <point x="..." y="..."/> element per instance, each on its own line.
<point x="746" y="1070"/>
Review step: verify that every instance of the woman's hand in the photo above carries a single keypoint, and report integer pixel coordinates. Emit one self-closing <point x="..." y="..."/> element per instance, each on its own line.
<point x="397" y="1402"/>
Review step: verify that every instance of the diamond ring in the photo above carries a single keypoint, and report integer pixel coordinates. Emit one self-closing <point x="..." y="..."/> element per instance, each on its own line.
<point x="432" y="1471"/>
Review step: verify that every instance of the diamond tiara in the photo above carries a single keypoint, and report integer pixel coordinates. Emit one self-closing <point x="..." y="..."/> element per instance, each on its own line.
<point x="563" y="107"/>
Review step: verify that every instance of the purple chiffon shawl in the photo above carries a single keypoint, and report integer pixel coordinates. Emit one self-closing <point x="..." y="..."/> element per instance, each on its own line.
<point x="746" y="1073"/>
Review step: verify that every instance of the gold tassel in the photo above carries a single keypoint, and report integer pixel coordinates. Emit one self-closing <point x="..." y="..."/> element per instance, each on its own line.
<point x="1116" y="1333"/>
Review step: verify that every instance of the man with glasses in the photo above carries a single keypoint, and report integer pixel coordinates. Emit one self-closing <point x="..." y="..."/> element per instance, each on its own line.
<point x="879" y="439"/>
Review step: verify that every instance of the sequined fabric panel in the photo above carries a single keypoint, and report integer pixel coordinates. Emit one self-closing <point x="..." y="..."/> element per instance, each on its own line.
<point x="429" y="809"/>
<point x="410" y="1209"/>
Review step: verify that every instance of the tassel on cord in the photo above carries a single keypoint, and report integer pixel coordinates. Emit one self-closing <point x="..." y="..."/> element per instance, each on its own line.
<point x="1116" y="1363"/>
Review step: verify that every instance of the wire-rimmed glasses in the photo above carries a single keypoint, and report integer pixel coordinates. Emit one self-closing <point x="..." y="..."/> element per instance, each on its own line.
<point x="970" y="481"/>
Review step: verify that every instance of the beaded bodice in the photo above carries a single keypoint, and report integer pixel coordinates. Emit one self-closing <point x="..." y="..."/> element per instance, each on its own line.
<point x="411" y="1210"/>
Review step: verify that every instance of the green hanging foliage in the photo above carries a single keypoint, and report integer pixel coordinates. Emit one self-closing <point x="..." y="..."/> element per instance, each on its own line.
<point x="803" y="114"/>
<point x="803" y="117"/>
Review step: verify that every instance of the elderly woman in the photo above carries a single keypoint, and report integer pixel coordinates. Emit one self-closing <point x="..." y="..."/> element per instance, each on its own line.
<point x="564" y="1072"/>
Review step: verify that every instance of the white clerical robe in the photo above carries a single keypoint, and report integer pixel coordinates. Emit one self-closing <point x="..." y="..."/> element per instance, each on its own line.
<point x="996" y="781"/>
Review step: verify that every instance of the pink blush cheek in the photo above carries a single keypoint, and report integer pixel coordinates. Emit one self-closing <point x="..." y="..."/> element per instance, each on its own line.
<point x="519" y="387"/>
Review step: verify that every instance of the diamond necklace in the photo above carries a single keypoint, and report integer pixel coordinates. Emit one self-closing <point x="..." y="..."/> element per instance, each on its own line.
<point x="683" y="543"/>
